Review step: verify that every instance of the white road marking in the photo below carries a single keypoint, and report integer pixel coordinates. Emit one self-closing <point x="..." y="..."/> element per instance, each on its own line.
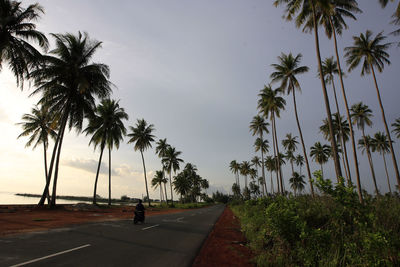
<point x="49" y="256"/>
<point x="150" y="227"/>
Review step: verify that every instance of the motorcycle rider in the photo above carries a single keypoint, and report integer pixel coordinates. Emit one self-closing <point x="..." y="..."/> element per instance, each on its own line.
<point x="139" y="212"/>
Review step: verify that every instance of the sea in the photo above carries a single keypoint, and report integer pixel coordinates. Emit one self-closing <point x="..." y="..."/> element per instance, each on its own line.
<point x="7" y="198"/>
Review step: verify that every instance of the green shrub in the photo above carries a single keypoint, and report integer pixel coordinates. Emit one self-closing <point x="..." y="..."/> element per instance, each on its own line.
<point x="332" y="229"/>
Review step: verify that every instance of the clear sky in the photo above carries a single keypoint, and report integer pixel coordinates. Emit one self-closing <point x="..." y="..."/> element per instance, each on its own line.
<point x="193" y="69"/>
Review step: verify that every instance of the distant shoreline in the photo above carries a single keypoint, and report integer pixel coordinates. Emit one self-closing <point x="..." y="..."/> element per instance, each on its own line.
<point x="82" y="198"/>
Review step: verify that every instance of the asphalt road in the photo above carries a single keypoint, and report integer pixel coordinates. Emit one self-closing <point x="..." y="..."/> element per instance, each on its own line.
<point x="163" y="240"/>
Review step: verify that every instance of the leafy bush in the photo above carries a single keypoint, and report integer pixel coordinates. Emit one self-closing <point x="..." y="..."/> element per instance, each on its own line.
<point x="332" y="229"/>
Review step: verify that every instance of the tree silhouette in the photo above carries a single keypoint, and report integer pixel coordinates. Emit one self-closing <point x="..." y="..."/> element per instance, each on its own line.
<point x="142" y="137"/>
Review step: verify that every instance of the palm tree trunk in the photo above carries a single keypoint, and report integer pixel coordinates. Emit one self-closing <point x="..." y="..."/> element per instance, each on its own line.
<point x="109" y="176"/>
<point x="145" y="179"/>
<point x="272" y="185"/>
<point x="97" y="174"/>
<point x="370" y="161"/>
<point x="45" y="169"/>
<point x="343" y="142"/>
<point x="54" y="194"/>
<point x="262" y="164"/>
<point x="396" y="169"/>
<point x="161" y="196"/>
<point x="326" y="99"/>
<point x="166" y="196"/>
<point x="353" y="142"/>
<point x="170" y="183"/>
<point x="387" y="174"/>
<point x="322" y="171"/>
<point x="278" y="154"/>
<point x="302" y="141"/>
<point x="275" y="157"/>
<point x="46" y="188"/>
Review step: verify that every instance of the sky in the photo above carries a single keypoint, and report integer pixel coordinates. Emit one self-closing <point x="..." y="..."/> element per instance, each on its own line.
<point x="194" y="70"/>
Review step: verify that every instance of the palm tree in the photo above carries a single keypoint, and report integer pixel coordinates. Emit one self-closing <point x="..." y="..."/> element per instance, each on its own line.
<point x="361" y="115"/>
<point x="263" y="146"/>
<point x="182" y="185"/>
<point x="142" y="137"/>
<point x="280" y="158"/>
<point x="290" y="144"/>
<point x="341" y="130"/>
<point x="161" y="148"/>
<point x="380" y="143"/>
<point x="270" y="105"/>
<point x="299" y="161"/>
<point x="255" y="161"/>
<point x="297" y="182"/>
<point x="320" y="153"/>
<point x="366" y="144"/>
<point x="329" y="68"/>
<point x="106" y="128"/>
<point x="245" y="170"/>
<point x="396" y="129"/>
<point x="286" y="71"/>
<point x="331" y="15"/>
<point x="39" y="125"/>
<point x="69" y="84"/>
<point x="234" y="167"/>
<point x="307" y="10"/>
<point x="270" y="164"/>
<point x="259" y="126"/>
<point x="395" y="16"/>
<point x="157" y="181"/>
<point x="16" y="29"/>
<point x="171" y="161"/>
<point x="372" y="51"/>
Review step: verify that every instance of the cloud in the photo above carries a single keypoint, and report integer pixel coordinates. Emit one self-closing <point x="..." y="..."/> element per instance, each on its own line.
<point x="90" y="165"/>
<point x="3" y="116"/>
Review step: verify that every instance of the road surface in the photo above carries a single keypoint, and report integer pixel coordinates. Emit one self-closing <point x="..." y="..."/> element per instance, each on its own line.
<point x="164" y="240"/>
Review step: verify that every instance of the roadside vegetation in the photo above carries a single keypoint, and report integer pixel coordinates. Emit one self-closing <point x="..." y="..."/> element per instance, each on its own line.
<point x="331" y="229"/>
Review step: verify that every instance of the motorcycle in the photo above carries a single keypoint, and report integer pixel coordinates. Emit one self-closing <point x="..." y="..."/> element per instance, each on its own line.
<point x="139" y="217"/>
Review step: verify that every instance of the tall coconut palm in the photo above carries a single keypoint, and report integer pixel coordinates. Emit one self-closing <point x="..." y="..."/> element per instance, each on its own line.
<point x="256" y="162"/>
<point x="263" y="146"/>
<point x="297" y="182"/>
<point x="234" y="167"/>
<point x="331" y="15"/>
<point x="270" y="105"/>
<point x="285" y="72"/>
<point x="259" y="126"/>
<point x="270" y="166"/>
<point x="245" y="170"/>
<point x="17" y="27"/>
<point x="395" y="16"/>
<point x="157" y="181"/>
<point x="69" y="83"/>
<point x="40" y="126"/>
<point x="290" y="144"/>
<point x="361" y="115"/>
<point x="142" y="137"/>
<point x="171" y="161"/>
<point x="341" y="133"/>
<point x="320" y="153"/>
<point x="106" y="128"/>
<point x="366" y="144"/>
<point x="302" y="11"/>
<point x="329" y="69"/>
<point x="372" y="52"/>
<point x="380" y="143"/>
<point x="299" y="161"/>
<point x="161" y="148"/>
<point x="396" y="129"/>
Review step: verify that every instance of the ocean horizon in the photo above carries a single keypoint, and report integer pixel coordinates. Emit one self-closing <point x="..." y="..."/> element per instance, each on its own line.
<point x="10" y="198"/>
